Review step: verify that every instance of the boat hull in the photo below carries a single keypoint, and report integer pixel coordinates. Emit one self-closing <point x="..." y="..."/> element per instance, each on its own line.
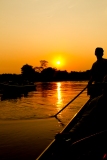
<point x="56" y="147"/>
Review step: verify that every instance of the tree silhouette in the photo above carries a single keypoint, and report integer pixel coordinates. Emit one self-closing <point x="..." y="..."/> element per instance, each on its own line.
<point x="43" y="65"/>
<point x="62" y="75"/>
<point x="28" y="72"/>
<point x="48" y="74"/>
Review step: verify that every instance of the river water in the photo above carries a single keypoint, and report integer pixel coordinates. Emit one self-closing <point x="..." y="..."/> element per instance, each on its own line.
<point x="26" y="125"/>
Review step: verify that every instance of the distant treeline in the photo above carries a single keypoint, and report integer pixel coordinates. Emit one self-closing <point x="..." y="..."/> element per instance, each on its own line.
<point x="41" y="74"/>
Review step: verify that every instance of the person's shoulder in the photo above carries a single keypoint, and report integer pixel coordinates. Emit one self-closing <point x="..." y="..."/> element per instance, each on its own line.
<point x="104" y="59"/>
<point x="94" y="64"/>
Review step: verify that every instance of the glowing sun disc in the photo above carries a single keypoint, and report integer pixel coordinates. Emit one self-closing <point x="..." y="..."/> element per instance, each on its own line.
<point x="58" y="62"/>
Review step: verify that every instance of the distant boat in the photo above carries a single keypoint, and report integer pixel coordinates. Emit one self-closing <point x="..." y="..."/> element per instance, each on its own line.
<point x="16" y="88"/>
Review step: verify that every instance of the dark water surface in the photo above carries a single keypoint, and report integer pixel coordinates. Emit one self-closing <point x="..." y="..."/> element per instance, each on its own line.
<point x="25" y="124"/>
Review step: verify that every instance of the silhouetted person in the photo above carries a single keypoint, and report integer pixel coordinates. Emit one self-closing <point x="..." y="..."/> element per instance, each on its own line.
<point x="99" y="68"/>
<point x="93" y="125"/>
<point x="96" y="112"/>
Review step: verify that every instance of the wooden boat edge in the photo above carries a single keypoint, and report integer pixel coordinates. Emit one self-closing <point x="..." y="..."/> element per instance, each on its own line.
<point x="65" y="129"/>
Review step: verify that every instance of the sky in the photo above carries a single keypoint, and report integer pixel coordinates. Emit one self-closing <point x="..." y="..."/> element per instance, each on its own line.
<point x="53" y="30"/>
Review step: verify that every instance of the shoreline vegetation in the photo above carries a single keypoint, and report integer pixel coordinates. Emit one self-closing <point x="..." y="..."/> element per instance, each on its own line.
<point x="44" y="74"/>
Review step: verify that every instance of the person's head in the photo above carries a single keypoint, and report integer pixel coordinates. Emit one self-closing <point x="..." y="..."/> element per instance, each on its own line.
<point x="99" y="52"/>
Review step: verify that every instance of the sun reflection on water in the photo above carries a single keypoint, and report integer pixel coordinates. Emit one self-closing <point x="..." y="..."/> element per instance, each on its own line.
<point x="59" y="97"/>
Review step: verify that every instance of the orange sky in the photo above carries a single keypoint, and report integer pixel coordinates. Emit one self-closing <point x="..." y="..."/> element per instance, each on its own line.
<point x="65" y="30"/>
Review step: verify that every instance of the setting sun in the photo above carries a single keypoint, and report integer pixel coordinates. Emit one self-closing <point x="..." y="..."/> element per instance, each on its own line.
<point x="58" y="62"/>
